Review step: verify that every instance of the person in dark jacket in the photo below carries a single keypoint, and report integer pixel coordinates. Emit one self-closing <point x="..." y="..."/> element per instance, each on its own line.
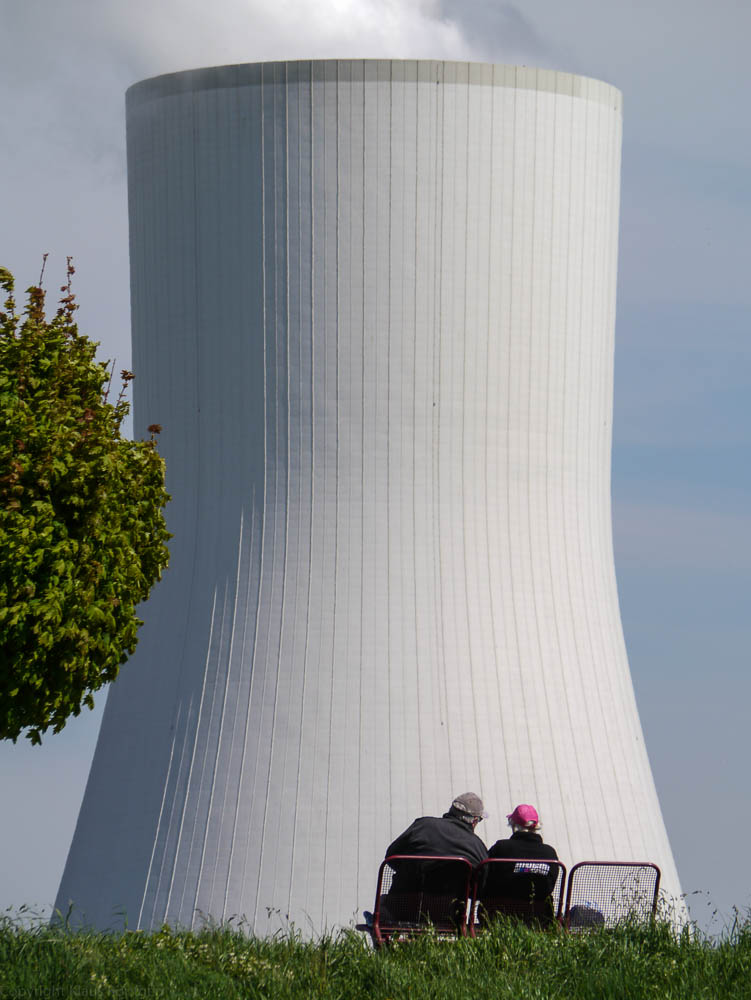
<point x="530" y="876"/>
<point x="451" y="834"/>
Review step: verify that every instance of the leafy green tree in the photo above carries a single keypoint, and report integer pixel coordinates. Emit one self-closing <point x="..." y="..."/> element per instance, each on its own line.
<point x="82" y="530"/>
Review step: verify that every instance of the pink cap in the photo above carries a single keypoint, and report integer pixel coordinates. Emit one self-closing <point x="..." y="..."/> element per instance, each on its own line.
<point x="524" y="815"/>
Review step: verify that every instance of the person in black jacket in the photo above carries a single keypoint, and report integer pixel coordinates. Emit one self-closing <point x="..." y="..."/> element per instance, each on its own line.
<point x="530" y="877"/>
<point x="451" y="834"/>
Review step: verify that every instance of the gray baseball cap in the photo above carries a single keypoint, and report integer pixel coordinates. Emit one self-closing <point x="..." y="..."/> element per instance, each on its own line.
<point x="470" y="804"/>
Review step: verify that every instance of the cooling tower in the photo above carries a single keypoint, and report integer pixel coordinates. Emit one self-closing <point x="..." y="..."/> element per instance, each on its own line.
<point x="373" y="310"/>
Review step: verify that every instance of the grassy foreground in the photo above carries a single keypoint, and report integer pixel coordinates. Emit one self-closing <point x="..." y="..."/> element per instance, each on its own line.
<point x="628" y="963"/>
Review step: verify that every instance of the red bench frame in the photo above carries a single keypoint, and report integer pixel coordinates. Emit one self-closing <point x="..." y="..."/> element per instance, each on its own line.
<point x="612" y="890"/>
<point x="531" y="912"/>
<point x="420" y="911"/>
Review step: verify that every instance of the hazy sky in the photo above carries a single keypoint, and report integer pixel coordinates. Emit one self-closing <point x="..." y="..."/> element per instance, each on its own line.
<point x="681" y="469"/>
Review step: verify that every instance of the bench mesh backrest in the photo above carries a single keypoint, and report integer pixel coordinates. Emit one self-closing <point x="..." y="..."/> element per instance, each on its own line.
<point x="519" y="887"/>
<point x="424" y="891"/>
<point x="603" y="894"/>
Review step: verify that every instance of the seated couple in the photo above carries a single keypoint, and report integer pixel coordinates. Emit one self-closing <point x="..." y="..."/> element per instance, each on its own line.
<point x="454" y="834"/>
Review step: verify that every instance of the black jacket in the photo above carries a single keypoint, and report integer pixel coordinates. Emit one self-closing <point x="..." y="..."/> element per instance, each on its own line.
<point x="522" y="844"/>
<point x="514" y="880"/>
<point x="434" y="835"/>
<point x="440" y="835"/>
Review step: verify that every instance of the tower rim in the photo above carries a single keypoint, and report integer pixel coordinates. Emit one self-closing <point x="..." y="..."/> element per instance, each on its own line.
<point x="501" y="75"/>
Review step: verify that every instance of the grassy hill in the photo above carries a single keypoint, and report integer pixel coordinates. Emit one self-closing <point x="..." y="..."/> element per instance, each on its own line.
<point x="627" y="963"/>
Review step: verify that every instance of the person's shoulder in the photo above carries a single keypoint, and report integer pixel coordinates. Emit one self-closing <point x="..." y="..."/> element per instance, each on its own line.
<point x="474" y="846"/>
<point x="420" y="826"/>
<point x="421" y="821"/>
<point x="409" y="840"/>
<point x="427" y="821"/>
<point x="500" y="849"/>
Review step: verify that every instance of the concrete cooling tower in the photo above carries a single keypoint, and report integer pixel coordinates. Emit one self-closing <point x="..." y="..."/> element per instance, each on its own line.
<point x="373" y="309"/>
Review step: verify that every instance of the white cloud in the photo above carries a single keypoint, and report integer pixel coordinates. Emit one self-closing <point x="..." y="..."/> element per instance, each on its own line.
<point x="68" y="66"/>
<point x="181" y="34"/>
<point x="501" y="32"/>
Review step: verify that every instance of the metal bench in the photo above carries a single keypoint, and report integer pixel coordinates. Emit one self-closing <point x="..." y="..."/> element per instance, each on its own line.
<point x="528" y="889"/>
<point x="604" y="893"/>
<point x="417" y="893"/>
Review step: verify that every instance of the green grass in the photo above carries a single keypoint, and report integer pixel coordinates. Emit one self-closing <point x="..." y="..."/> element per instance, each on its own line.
<point x="628" y="963"/>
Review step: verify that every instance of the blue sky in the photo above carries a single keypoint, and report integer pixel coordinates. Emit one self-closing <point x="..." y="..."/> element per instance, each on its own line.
<point x="681" y="479"/>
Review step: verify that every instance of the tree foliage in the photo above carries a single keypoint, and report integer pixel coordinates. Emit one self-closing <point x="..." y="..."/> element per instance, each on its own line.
<point x="82" y="530"/>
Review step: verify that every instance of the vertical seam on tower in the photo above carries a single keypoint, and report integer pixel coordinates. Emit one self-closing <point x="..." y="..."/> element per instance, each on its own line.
<point x="414" y="440"/>
<point x="247" y="718"/>
<point x="221" y="725"/>
<point x="462" y="438"/>
<point x="289" y="414"/>
<point x="556" y="625"/>
<point x="295" y="627"/>
<point x="159" y="822"/>
<point x="587" y="614"/>
<point x="220" y="734"/>
<point x="196" y="264"/>
<point x="362" y="467"/>
<point x="509" y="535"/>
<point x="487" y="452"/>
<point x="577" y="642"/>
<point x="408" y="667"/>
<point x="388" y="449"/>
<point x="508" y="425"/>
<point x="276" y="476"/>
<point x="312" y="465"/>
<point x="324" y="425"/>
<point x="319" y="399"/>
<point x="565" y="437"/>
<point x="227" y="808"/>
<point x="243" y="755"/>
<point x="192" y="760"/>
<point x="546" y="396"/>
<point x="437" y="436"/>
<point x="336" y="487"/>
<point x="531" y="334"/>
<point x="178" y="710"/>
<point x="195" y="836"/>
<point x="292" y="639"/>
<point x="265" y="454"/>
<point x="414" y="437"/>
